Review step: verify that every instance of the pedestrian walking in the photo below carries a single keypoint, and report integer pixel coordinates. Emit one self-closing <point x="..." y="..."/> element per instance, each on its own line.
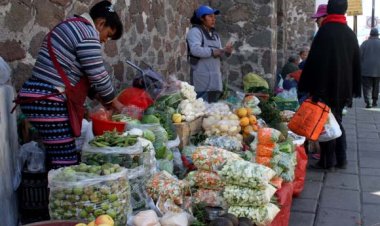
<point x="332" y="75"/>
<point x="370" y="64"/>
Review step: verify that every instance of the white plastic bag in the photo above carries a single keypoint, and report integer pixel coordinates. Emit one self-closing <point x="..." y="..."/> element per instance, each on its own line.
<point x="331" y="129"/>
<point x="5" y="71"/>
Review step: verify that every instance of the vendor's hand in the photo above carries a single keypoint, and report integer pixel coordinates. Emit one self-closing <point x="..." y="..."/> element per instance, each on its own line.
<point x="217" y="52"/>
<point x="116" y="105"/>
<point x="228" y="48"/>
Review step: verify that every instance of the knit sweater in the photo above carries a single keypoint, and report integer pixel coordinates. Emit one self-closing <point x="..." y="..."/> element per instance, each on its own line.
<point x="78" y="50"/>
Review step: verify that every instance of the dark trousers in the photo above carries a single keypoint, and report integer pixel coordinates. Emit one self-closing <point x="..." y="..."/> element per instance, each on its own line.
<point x="334" y="151"/>
<point x="209" y="96"/>
<point x="370" y="89"/>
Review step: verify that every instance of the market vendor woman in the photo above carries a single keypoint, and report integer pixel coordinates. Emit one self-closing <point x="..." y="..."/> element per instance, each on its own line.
<point x="69" y="64"/>
<point x="205" y="51"/>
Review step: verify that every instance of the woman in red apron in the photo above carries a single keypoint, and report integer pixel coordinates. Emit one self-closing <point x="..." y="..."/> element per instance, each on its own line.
<point x="68" y="65"/>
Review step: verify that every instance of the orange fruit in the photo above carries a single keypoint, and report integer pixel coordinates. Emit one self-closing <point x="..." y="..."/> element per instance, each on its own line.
<point x="247" y="129"/>
<point x="249" y="111"/>
<point x="252" y="119"/>
<point x="244" y="121"/>
<point x="255" y="128"/>
<point x="241" y="112"/>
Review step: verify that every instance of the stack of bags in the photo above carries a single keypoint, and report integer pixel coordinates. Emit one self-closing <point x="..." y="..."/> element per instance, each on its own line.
<point x="206" y="180"/>
<point x="248" y="191"/>
<point x="272" y="151"/>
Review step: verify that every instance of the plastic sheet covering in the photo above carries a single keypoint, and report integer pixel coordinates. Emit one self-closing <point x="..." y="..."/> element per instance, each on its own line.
<point x="284" y="199"/>
<point x="300" y="171"/>
<point x="9" y="147"/>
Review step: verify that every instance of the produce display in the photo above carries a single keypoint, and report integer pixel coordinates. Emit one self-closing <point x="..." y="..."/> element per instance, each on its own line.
<point x="191" y="109"/>
<point x="85" y="192"/>
<point x="211" y="158"/>
<point x="247" y="120"/>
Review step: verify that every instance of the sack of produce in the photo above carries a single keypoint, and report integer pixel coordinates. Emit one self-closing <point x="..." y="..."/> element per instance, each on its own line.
<point x="261" y="216"/>
<point x="165" y="186"/>
<point x="205" y="179"/>
<point x="268" y="136"/>
<point x="235" y="195"/>
<point x="209" y="197"/>
<point x="246" y="174"/>
<point x="84" y="192"/>
<point x="112" y="147"/>
<point x="225" y="142"/>
<point x="212" y="158"/>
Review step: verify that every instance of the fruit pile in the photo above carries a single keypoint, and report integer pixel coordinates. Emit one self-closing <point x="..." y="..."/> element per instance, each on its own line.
<point x="102" y="220"/>
<point x="86" y="192"/>
<point x="248" y="121"/>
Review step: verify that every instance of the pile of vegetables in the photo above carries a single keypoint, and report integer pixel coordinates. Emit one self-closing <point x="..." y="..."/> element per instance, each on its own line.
<point x="222" y="125"/>
<point x="85" y="192"/>
<point x="248" y="191"/>
<point x="113" y="139"/>
<point x="225" y="142"/>
<point x="191" y="109"/>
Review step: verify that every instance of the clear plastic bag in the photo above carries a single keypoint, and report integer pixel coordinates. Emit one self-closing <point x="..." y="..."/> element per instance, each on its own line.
<point x="331" y="129"/>
<point x="5" y="71"/>
<point x="33" y="156"/>
<point x="129" y="157"/>
<point x="84" y="192"/>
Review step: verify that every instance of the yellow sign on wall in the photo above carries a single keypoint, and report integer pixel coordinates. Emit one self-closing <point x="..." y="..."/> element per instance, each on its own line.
<point x="355" y="8"/>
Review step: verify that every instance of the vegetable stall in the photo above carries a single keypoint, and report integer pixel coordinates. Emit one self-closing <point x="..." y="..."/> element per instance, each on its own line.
<point x="183" y="161"/>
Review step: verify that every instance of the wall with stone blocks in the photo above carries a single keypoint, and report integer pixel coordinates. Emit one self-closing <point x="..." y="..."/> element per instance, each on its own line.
<point x="265" y="32"/>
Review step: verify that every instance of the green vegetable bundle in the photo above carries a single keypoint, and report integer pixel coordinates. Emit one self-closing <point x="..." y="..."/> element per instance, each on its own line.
<point x="113" y="139"/>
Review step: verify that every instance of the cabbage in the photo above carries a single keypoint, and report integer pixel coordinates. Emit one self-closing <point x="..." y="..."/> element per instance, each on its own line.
<point x="147" y="119"/>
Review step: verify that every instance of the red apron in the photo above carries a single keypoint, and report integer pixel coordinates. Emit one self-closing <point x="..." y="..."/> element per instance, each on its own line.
<point x="75" y="95"/>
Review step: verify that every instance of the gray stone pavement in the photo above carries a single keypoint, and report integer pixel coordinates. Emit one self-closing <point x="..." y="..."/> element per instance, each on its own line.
<point x="349" y="197"/>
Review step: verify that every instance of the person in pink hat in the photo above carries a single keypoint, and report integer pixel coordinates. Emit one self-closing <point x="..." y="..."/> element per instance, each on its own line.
<point x="320" y="15"/>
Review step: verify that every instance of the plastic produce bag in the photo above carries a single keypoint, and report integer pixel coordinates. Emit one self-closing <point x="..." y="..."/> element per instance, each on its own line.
<point x="246" y="174"/>
<point x="146" y="218"/>
<point x="212" y="158"/>
<point x="33" y="156"/>
<point x="261" y="216"/>
<point x="254" y="81"/>
<point x="300" y="171"/>
<point x="129" y="157"/>
<point x="175" y="219"/>
<point x="268" y="136"/>
<point x="284" y="199"/>
<point x="205" y="179"/>
<point x="5" y="71"/>
<point x="210" y="198"/>
<point x="84" y="192"/>
<point x="241" y="196"/>
<point x="331" y="129"/>
<point x="225" y="142"/>
<point x="165" y="186"/>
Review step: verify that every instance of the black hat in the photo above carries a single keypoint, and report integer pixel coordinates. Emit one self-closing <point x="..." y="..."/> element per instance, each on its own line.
<point x="337" y="7"/>
<point x="374" y="32"/>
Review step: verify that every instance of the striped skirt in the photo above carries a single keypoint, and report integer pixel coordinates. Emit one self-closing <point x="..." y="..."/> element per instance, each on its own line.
<point x="50" y="118"/>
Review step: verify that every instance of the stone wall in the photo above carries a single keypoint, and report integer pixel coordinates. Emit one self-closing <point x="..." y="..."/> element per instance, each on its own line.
<point x="265" y="32"/>
<point x="154" y="34"/>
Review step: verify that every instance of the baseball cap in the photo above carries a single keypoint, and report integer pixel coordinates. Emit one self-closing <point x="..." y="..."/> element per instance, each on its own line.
<point x="321" y="11"/>
<point x="206" y="10"/>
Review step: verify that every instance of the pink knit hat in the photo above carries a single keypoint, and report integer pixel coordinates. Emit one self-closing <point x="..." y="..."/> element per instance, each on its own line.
<point x="321" y="11"/>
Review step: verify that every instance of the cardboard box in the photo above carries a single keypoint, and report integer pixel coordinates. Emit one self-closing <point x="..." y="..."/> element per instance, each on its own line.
<point x="187" y="129"/>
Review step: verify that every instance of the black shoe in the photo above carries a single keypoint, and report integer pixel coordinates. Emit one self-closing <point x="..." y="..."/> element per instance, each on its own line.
<point x="368" y="106"/>
<point x="319" y="167"/>
<point x="374" y="104"/>
<point x="341" y="166"/>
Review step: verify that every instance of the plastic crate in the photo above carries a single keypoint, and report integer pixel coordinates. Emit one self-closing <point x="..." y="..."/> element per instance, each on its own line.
<point x="33" y="196"/>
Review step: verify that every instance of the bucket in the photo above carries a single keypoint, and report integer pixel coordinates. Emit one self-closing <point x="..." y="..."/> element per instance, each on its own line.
<point x="99" y="126"/>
